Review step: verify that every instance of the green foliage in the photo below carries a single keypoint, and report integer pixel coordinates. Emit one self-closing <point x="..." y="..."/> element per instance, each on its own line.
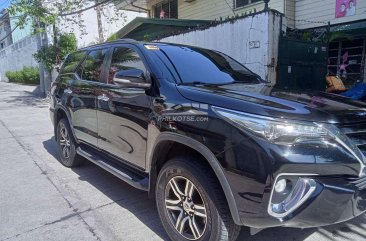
<point x="67" y="44"/>
<point x="51" y="56"/>
<point x="15" y="76"/>
<point x="28" y="75"/>
<point x="148" y="38"/>
<point x="46" y="56"/>
<point x="65" y="14"/>
<point x="26" y="10"/>
<point x="112" y="37"/>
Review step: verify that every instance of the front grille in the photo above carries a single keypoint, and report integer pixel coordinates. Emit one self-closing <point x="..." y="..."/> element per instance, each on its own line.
<point x="357" y="135"/>
<point x="360" y="183"/>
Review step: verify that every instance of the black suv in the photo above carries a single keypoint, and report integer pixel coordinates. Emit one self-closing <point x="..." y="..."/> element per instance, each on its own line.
<point x="218" y="147"/>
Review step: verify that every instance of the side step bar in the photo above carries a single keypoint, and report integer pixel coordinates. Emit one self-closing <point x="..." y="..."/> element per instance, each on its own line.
<point x="119" y="171"/>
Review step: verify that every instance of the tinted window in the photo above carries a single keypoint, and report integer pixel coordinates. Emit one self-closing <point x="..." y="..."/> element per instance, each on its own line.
<point x="124" y="59"/>
<point x="92" y="65"/>
<point x="207" y="66"/>
<point x="72" y="61"/>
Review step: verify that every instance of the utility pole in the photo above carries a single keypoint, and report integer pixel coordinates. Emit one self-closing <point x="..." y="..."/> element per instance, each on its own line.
<point x="41" y="66"/>
<point x="98" y="9"/>
<point x="42" y="42"/>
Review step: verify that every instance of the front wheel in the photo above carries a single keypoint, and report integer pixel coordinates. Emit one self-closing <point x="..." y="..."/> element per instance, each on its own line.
<point x="67" y="145"/>
<point x="191" y="204"/>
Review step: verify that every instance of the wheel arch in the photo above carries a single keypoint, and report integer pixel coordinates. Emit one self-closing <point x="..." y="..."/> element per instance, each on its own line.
<point x="161" y="154"/>
<point x="59" y="113"/>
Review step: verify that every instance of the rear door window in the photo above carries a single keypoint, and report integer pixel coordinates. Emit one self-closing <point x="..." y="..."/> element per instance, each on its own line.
<point x="72" y="62"/>
<point x="92" y="66"/>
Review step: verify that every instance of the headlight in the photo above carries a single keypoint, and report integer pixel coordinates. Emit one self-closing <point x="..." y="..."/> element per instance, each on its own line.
<point x="274" y="130"/>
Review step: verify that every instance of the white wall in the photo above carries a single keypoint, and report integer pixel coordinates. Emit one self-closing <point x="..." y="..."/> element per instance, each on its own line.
<point x="17" y="56"/>
<point x="234" y="39"/>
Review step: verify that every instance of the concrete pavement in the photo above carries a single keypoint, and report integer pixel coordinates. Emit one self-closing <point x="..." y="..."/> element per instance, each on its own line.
<point x="42" y="200"/>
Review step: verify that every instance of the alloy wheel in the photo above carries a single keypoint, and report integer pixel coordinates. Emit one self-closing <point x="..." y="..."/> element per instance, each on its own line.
<point x="65" y="142"/>
<point x="185" y="207"/>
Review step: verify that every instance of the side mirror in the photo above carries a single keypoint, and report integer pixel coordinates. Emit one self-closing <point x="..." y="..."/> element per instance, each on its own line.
<point x="131" y="78"/>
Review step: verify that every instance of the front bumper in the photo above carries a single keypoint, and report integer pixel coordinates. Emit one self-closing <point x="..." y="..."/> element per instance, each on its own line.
<point x="336" y="199"/>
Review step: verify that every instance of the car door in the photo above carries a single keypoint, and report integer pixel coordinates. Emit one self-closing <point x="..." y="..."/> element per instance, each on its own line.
<point x="82" y="101"/>
<point x="123" y="112"/>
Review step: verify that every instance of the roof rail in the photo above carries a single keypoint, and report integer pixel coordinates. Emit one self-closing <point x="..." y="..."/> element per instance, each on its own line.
<point x="128" y="39"/>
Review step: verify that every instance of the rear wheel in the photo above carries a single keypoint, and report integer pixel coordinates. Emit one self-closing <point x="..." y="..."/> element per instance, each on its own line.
<point x="191" y="204"/>
<point x="67" y="145"/>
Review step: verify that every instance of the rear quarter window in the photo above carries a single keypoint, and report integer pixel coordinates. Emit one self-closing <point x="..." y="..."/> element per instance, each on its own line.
<point x="72" y="62"/>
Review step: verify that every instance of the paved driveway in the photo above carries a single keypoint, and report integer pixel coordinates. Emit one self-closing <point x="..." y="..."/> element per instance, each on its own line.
<point x="42" y="200"/>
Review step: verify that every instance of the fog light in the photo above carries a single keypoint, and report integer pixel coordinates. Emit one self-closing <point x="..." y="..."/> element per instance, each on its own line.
<point x="281" y="186"/>
<point x="285" y="199"/>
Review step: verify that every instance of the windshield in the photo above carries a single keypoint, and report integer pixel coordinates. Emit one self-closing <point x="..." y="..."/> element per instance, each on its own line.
<point x="203" y="66"/>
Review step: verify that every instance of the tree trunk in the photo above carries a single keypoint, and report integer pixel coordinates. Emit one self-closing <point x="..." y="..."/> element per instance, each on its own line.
<point x="98" y="9"/>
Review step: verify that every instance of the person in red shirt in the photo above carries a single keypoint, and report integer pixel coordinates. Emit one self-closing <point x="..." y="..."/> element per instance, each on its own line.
<point x="342" y="11"/>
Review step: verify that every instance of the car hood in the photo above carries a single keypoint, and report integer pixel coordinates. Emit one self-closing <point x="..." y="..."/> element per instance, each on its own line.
<point x="265" y="100"/>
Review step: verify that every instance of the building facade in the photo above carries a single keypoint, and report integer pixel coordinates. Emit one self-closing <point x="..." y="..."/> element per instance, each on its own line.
<point x="5" y="30"/>
<point x="20" y="33"/>
<point x="297" y="12"/>
<point x="200" y="9"/>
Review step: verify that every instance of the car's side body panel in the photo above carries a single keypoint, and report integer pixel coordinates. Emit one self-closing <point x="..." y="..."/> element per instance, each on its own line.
<point x="122" y="123"/>
<point x="81" y="103"/>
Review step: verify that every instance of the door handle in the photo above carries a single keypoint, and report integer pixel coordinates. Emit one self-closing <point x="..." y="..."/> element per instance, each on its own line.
<point x="68" y="91"/>
<point x="103" y="97"/>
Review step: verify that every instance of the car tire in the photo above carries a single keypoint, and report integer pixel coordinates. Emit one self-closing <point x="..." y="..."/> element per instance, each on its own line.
<point x="191" y="203"/>
<point x="67" y="145"/>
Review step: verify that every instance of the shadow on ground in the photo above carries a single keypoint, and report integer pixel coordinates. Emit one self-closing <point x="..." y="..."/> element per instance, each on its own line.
<point x="125" y="196"/>
<point x="32" y="98"/>
<point x="103" y="181"/>
<point x="28" y="100"/>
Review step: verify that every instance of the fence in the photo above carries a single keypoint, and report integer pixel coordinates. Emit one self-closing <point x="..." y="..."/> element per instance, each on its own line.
<point x="17" y="56"/>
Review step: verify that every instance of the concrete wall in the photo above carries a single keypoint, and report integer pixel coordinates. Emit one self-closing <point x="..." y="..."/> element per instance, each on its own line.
<point x="252" y="41"/>
<point x="17" y="56"/>
<point x="214" y="9"/>
<point x="324" y="11"/>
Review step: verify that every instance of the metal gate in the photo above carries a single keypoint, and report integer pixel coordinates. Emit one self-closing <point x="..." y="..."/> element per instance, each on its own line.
<point x="302" y="60"/>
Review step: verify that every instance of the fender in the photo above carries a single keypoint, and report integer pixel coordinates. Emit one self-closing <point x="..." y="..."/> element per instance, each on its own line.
<point x="212" y="160"/>
<point x="58" y="108"/>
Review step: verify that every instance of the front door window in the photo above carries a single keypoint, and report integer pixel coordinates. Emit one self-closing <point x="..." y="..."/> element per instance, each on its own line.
<point x="124" y="59"/>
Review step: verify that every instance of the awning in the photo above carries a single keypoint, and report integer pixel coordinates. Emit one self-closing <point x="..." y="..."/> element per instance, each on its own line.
<point x="153" y="28"/>
<point x="348" y="30"/>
